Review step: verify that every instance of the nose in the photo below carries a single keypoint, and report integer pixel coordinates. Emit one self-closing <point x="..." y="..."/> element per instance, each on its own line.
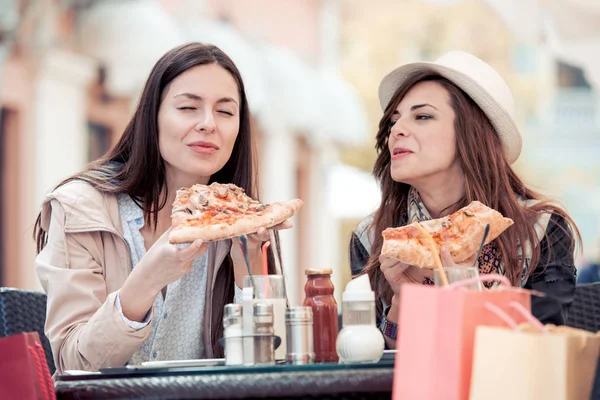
<point x="398" y="129"/>
<point x="206" y="123"/>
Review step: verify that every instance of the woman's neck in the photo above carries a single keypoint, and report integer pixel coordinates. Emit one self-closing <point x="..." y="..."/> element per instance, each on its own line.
<point x="174" y="182"/>
<point x="441" y="197"/>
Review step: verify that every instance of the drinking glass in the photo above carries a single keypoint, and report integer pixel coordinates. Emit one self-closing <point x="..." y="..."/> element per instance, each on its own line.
<point x="271" y="289"/>
<point x="457" y="274"/>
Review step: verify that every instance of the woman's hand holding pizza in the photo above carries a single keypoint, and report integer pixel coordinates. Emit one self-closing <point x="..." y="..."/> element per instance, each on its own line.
<point x="397" y="273"/>
<point x="162" y="264"/>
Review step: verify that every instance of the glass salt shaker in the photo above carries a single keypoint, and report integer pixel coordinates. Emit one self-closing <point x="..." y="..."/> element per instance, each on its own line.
<point x="232" y="332"/>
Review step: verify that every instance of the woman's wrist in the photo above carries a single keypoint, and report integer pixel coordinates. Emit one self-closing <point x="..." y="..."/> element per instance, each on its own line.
<point x="388" y="324"/>
<point x="137" y="296"/>
<point x="394" y="310"/>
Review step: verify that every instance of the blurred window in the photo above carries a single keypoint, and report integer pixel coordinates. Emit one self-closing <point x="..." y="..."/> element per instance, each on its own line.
<point x="571" y="76"/>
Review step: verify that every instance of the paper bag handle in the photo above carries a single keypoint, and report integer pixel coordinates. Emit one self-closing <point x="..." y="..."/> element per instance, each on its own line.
<point x="43" y="373"/>
<point x="511" y="322"/>
<point x="482" y="278"/>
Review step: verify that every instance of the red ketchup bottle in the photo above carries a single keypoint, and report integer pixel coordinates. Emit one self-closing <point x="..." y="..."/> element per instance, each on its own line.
<point x="319" y="296"/>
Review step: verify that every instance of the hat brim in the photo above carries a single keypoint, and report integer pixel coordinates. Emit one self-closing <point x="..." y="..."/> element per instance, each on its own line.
<point x="502" y="122"/>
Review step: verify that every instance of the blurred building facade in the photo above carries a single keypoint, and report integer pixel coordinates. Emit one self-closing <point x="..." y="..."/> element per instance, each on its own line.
<point x="73" y="71"/>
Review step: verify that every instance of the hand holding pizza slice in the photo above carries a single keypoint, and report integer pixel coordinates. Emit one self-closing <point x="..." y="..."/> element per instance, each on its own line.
<point x="221" y="211"/>
<point x="460" y="232"/>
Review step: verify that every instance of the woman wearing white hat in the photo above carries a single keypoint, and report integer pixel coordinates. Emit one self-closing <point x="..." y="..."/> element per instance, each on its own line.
<point x="448" y="137"/>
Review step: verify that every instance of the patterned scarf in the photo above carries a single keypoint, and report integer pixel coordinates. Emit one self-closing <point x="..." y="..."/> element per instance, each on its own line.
<point x="490" y="259"/>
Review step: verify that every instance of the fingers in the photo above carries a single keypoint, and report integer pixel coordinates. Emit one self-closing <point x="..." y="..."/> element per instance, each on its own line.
<point x="287" y="224"/>
<point x="165" y="236"/>
<point x="394" y="276"/>
<point x="191" y="252"/>
<point x="391" y="263"/>
<point x="262" y="234"/>
<point x="446" y="258"/>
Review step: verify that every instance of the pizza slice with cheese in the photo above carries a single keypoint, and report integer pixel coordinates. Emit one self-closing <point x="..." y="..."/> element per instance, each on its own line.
<point x="220" y="211"/>
<point x="460" y="232"/>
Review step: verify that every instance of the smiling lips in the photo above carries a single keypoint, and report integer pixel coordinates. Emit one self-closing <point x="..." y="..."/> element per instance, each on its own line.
<point x="400" y="152"/>
<point x="203" y="147"/>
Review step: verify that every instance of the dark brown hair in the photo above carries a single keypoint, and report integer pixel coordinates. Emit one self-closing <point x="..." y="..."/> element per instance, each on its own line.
<point x="488" y="179"/>
<point x="134" y="165"/>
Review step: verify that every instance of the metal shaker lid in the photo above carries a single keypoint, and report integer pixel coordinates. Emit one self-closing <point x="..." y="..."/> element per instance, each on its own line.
<point x="263" y="309"/>
<point x="232" y="310"/>
<point x="299" y="314"/>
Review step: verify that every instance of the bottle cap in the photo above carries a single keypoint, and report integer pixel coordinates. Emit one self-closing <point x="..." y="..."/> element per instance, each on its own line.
<point x="316" y="271"/>
<point x="359" y="289"/>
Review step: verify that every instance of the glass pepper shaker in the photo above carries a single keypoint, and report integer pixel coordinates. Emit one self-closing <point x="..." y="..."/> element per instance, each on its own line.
<point x="264" y="352"/>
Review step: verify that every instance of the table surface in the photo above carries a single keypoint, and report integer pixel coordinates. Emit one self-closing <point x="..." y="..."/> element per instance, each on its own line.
<point x="323" y="381"/>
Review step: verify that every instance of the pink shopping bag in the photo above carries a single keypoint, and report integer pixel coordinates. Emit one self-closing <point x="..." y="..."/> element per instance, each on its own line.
<point x="436" y="332"/>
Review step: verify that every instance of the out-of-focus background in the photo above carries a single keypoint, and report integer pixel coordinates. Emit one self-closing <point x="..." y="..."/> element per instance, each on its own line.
<point x="71" y="72"/>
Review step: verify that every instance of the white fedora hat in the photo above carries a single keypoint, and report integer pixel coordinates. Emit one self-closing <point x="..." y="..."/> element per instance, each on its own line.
<point x="476" y="78"/>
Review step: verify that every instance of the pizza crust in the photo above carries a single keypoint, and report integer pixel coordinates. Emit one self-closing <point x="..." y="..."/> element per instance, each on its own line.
<point x="460" y="232"/>
<point x="208" y="213"/>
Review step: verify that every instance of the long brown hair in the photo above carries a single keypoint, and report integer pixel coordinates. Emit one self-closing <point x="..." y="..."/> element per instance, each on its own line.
<point x="135" y="167"/>
<point x="488" y="179"/>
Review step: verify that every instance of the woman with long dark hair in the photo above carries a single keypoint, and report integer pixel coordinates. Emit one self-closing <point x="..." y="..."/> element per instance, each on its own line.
<point x="448" y="137"/>
<point x="118" y="292"/>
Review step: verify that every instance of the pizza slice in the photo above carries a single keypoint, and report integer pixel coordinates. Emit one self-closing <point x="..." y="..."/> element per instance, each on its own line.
<point x="460" y="232"/>
<point x="220" y="211"/>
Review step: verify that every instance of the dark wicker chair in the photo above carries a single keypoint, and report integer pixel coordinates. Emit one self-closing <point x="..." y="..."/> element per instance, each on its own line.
<point x="585" y="314"/>
<point x="585" y="310"/>
<point x="24" y="311"/>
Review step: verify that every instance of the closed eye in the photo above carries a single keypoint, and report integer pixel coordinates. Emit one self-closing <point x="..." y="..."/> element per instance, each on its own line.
<point x="226" y="113"/>
<point x="187" y="108"/>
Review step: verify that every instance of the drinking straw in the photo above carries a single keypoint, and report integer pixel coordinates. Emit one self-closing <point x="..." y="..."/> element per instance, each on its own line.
<point x="265" y="266"/>
<point x="265" y="260"/>
<point x="436" y="255"/>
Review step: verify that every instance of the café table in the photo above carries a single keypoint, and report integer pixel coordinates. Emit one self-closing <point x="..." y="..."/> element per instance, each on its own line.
<point x="317" y="381"/>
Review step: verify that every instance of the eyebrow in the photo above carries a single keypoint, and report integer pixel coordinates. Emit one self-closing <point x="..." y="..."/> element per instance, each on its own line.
<point x="417" y="106"/>
<point x="192" y="96"/>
